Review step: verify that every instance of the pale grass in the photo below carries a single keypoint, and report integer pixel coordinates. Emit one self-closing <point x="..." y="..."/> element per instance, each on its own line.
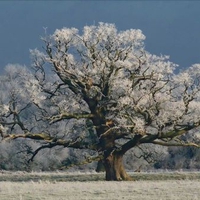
<point x="99" y="190"/>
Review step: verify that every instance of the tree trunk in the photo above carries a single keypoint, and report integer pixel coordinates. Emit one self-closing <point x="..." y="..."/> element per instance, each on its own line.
<point x="114" y="168"/>
<point x="100" y="166"/>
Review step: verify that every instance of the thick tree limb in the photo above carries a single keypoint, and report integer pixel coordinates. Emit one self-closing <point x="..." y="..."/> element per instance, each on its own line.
<point x="190" y="144"/>
<point x="130" y="144"/>
<point x="138" y="139"/>
<point x="77" y="143"/>
<point x="62" y="116"/>
<point x="178" y="131"/>
<point x="34" y="136"/>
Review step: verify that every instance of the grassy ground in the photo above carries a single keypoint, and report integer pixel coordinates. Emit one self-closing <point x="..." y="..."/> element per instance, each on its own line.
<point x="62" y="186"/>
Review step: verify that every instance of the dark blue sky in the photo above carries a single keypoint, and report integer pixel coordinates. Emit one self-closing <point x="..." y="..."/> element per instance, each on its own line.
<point x="171" y="27"/>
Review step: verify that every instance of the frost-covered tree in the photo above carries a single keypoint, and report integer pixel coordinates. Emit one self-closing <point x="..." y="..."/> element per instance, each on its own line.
<point x="99" y="90"/>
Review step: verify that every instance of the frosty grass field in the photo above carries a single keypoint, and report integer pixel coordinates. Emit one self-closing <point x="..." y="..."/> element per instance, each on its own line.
<point x="90" y="186"/>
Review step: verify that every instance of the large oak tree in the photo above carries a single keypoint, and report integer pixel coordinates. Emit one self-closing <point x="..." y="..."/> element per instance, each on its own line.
<point x="100" y="90"/>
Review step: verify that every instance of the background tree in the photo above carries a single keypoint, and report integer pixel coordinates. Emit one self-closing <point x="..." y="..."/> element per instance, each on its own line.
<point x="106" y="95"/>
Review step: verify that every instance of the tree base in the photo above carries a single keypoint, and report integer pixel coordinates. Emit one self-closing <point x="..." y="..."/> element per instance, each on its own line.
<point x="114" y="168"/>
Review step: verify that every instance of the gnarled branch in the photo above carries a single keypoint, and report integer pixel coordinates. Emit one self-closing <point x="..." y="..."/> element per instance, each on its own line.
<point x="62" y="116"/>
<point x="168" y="144"/>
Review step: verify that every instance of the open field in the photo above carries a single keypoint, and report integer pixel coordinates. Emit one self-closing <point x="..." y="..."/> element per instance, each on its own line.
<point x="51" y="186"/>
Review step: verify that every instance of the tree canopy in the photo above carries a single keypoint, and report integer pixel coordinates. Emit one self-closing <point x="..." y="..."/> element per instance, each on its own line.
<point x="99" y="90"/>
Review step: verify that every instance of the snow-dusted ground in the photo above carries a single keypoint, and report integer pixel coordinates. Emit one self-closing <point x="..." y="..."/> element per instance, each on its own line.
<point x="90" y="186"/>
<point x="138" y="190"/>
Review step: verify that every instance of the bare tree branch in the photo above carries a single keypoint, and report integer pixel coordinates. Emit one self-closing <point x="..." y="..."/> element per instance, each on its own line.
<point x="63" y="116"/>
<point x="176" y="144"/>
